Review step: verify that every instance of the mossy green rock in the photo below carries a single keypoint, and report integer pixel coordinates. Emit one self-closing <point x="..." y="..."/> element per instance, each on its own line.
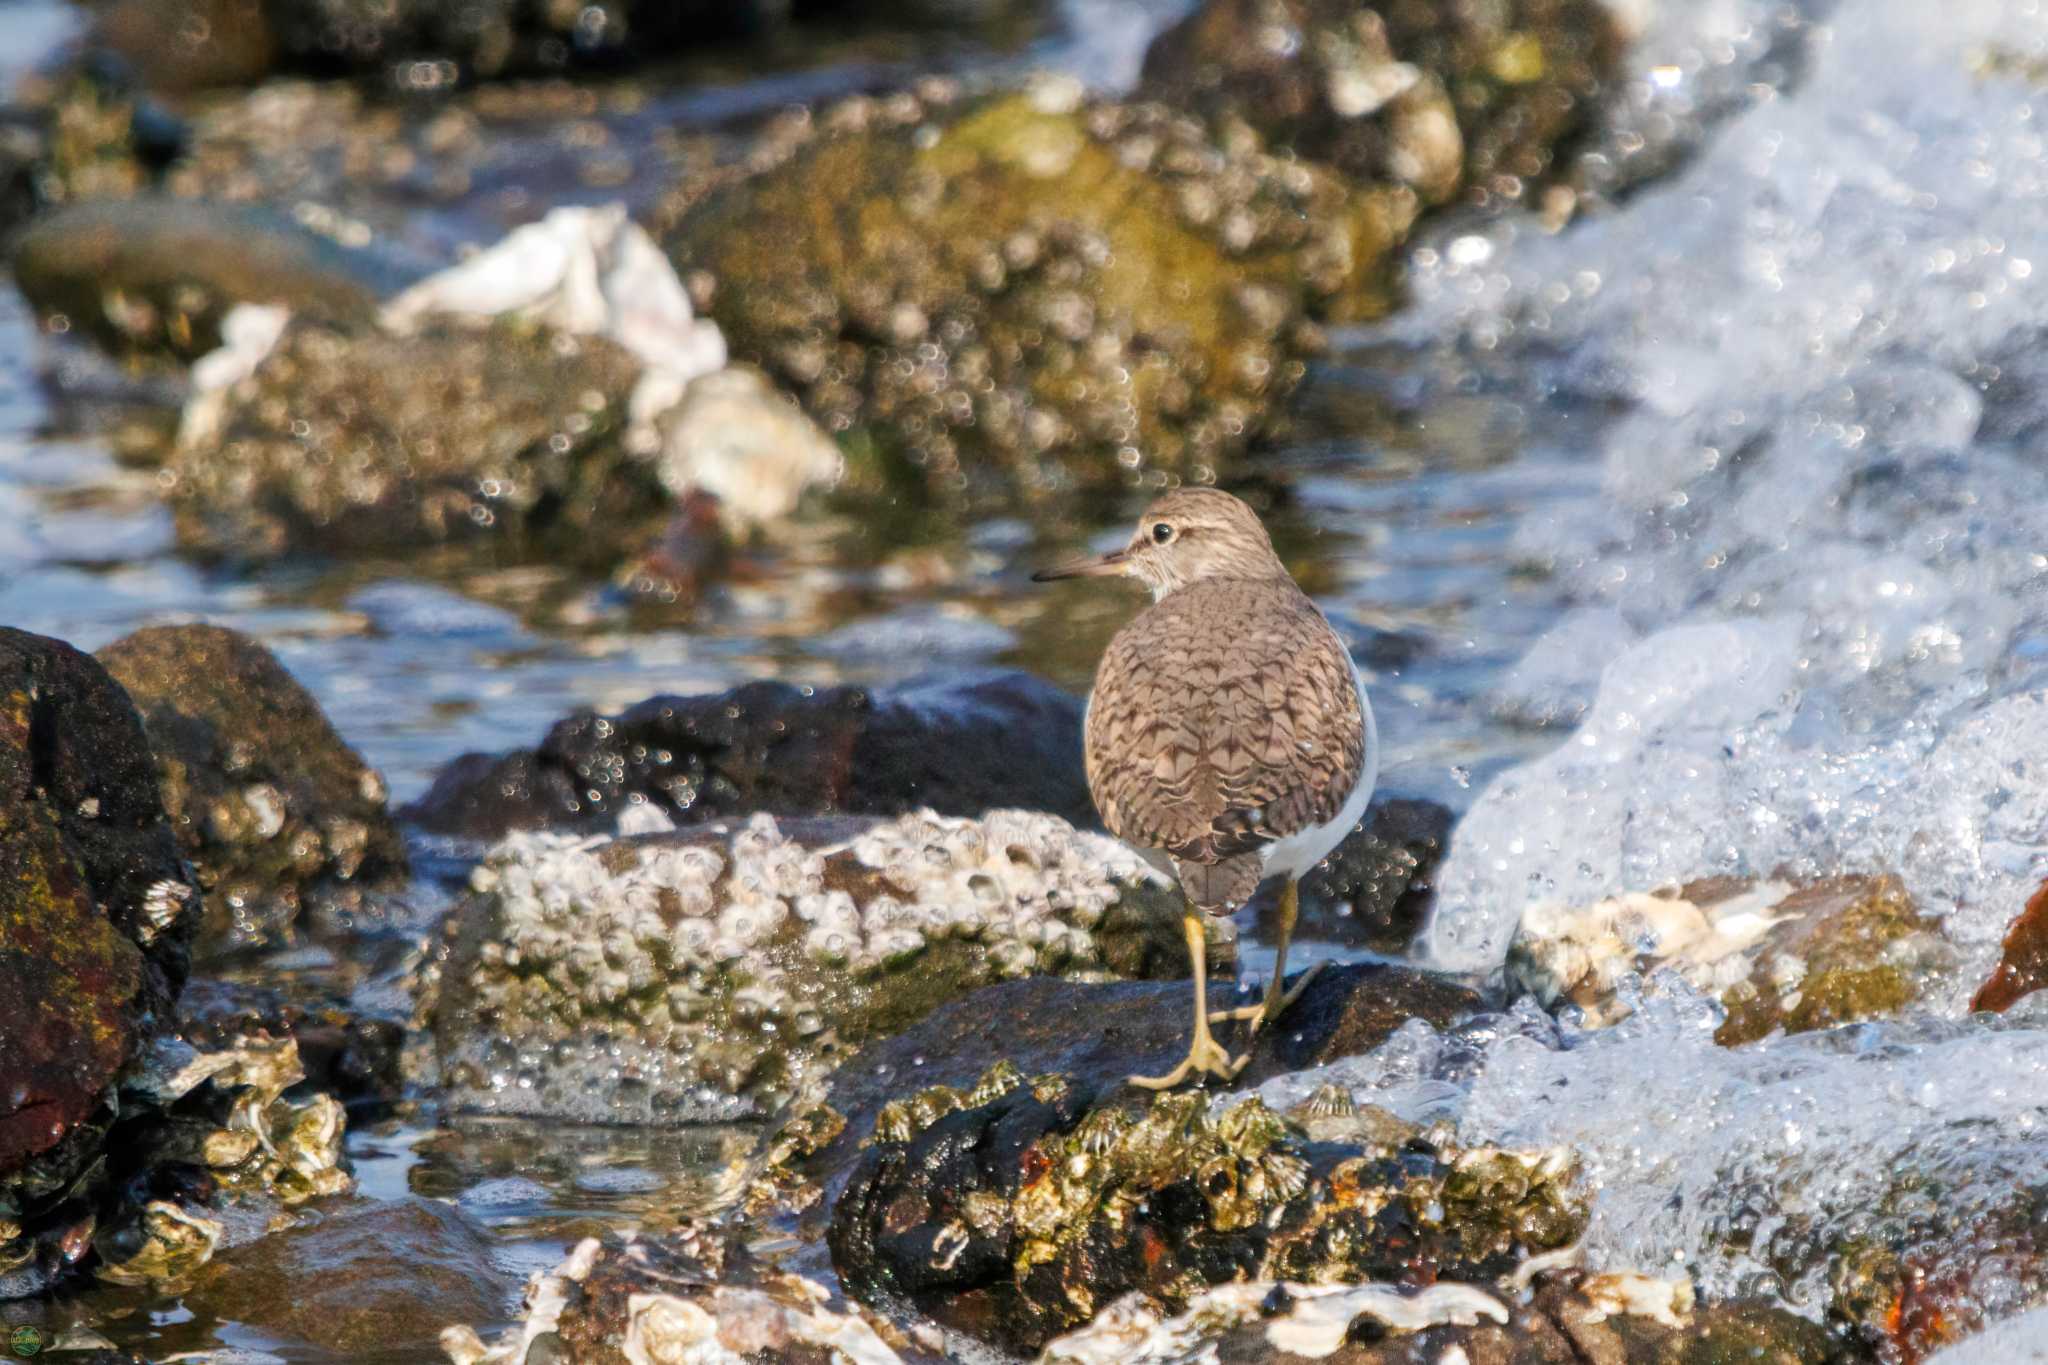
<point x="1026" y="294"/>
<point x="93" y="911"/>
<point x="270" y="805"/>
<point x="360" y="442"/>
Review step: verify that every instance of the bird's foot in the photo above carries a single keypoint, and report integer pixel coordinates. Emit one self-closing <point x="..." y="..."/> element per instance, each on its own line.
<point x="1277" y="1003"/>
<point x="1206" y="1059"/>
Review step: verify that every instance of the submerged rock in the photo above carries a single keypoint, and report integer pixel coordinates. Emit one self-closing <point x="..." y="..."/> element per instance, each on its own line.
<point x="1451" y="99"/>
<point x="1778" y="956"/>
<point x="96" y="910"/>
<point x="959" y="746"/>
<point x="271" y="806"/>
<point x="710" y="973"/>
<point x="1571" y="1318"/>
<point x="363" y="1278"/>
<point x="1028" y="293"/>
<point x="695" y="1295"/>
<point x="359" y="442"/>
<point x="1022" y="1209"/>
<point x="156" y="274"/>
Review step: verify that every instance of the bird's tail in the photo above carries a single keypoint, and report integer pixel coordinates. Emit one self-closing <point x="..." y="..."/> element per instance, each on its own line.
<point x="1219" y="888"/>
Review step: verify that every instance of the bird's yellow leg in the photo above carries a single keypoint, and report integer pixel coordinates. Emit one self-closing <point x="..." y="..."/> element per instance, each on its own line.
<point x="1205" y="1057"/>
<point x="1277" y="997"/>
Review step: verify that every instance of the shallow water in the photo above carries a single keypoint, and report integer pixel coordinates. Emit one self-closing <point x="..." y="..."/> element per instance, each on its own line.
<point x="1518" y="455"/>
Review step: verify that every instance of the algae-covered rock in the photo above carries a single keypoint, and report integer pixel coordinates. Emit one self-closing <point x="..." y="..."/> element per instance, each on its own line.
<point x="156" y="274"/>
<point x="694" y="1295"/>
<point x="709" y="973"/>
<point x="96" y="909"/>
<point x="1022" y="294"/>
<point x="960" y="746"/>
<point x="363" y="1279"/>
<point x="1030" y="1207"/>
<point x="1096" y="1033"/>
<point x="362" y="442"/>
<point x="269" y="803"/>
<point x="1570" y="1318"/>
<point x="1453" y="99"/>
<point x="1778" y="956"/>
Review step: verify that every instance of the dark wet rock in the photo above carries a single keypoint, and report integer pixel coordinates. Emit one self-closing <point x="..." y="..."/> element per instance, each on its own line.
<point x="1374" y="890"/>
<point x="1778" y="955"/>
<point x="365" y="443"/>
<point x="271" y="806"/>
<point x="430" y="45"/>
<point x="694" y="1294"/>
<point x="958" y="746"/>
<point x="2022" y="961"/>
<point x="362" y="1279"/>
<point x="1022" y="1208"/>
<point x="156" y="275"/>
<point x="1570" y="1318"/>
<point x="713" y="972"/>
<point x="345" y="1052"/>
<point x="95" y="914"/>
<point x="1098" y="1033"/>
<point x="1027" y="294"/>
<point x="1453" y="99"/>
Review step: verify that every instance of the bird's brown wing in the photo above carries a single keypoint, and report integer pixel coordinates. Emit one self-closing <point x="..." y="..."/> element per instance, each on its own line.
<point x="1223" y="718"/>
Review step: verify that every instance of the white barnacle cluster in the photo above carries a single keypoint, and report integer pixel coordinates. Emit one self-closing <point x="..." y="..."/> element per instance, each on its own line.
<point x="1028" y="886"/>
<point x="710" y="959"/>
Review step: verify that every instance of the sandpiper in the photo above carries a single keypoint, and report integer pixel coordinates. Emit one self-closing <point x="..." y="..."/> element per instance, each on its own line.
<point x="1229" y="738"/>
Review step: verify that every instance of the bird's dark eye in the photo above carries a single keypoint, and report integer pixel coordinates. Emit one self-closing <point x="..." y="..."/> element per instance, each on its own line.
<point x="1161" y="532"/>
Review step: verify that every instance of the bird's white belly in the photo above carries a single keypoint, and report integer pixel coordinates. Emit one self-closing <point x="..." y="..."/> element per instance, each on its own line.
<point x="1303" y="849"/>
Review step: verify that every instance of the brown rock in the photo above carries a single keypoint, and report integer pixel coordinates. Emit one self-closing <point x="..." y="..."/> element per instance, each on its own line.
<point x="270" y="804"/>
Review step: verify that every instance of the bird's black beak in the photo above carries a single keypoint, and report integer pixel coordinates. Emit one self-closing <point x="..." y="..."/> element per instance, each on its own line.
<point x="1087" y="566"/>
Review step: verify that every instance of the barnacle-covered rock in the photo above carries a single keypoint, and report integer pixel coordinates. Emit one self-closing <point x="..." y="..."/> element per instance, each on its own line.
<point x="1022" y="294"/>
<point x="1451" y="99"/>
<point x="1374" y="889"/>
<point x="96" y="910"/>
<point x="1570" y="1318"/>
<point x="212" y="1148"/>
<point x="1093" y="1034"/>
<point x="363" y="442"/>
<point x="958" y="745"/>
<point x="708" y="973"/>
<point x="1026" y="1215"/>
<point x="271" y="806"/>
<point x="156" y="274"/>
<point x="346" y="1052"/>
<point x="694" y="1295"/>
<point x="1778" y="956"/>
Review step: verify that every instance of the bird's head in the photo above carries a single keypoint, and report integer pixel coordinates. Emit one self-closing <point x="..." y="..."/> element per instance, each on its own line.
<point x="1184" y="537"/>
